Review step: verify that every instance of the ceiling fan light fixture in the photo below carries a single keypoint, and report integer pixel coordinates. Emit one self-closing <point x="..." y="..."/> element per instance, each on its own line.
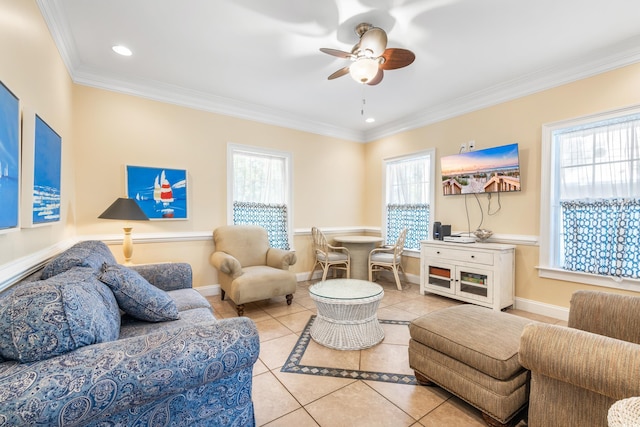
<point x="363" y="70"/>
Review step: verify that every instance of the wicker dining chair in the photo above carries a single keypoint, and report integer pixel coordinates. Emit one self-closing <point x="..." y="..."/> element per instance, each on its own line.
<point x="328" y="256"/>
<point x="388" y="258"/>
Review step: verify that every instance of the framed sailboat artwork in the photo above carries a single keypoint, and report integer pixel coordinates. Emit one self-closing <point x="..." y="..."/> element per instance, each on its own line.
<point x="41" y="178"/>
<point x="9" y="160"/>
<point x="160" y="192"/>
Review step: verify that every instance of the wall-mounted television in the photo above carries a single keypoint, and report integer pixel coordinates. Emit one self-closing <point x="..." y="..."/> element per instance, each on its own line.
<point x="490" y="170"/>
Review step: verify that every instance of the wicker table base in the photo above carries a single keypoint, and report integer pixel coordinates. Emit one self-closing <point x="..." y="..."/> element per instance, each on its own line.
<point x="347" y="314"/>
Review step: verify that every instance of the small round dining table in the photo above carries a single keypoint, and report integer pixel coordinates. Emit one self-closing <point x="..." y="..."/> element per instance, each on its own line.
<point x="359" y="248"/>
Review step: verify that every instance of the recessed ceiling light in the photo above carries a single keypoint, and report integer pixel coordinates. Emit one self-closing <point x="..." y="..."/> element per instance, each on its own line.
<point x="122" y="50"/>
<point x="370" y="120"/>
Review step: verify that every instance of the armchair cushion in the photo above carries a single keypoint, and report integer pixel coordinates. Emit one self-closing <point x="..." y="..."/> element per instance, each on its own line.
<point x="248" y="244"/>
<point x="136" y="296"/>
<point x="90" y="253"/>
<point x="48" y="318"/>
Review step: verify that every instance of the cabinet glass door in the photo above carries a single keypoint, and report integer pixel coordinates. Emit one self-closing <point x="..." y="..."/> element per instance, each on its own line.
<point x="474" y="284"/>
<point x="441" y="277"/>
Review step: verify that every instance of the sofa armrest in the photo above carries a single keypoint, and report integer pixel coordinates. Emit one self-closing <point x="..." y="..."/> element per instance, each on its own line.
<point x="167" y="276"/>
<point x="99" y="380"/>
<point x="280" y="258"/>
<point x="226" y="264"/>
<point x="604" y="365"/>
<point x="606" y="313"/>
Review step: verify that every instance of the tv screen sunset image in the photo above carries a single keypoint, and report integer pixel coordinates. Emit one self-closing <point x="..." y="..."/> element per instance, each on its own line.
<point x="490" y="170"/>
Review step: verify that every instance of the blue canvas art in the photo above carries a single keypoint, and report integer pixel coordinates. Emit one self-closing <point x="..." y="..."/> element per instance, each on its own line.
<point x="160" y="192"/>
<point x="9" y="159"/>
<point x="46" y="174"/>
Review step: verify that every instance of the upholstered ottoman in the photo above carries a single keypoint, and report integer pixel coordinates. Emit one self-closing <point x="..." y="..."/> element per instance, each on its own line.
<point x="472" y="352"/>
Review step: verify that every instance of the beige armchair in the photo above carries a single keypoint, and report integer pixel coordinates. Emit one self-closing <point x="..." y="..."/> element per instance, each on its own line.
<point x="249" y="269"/>
<point x="578" y="372"/>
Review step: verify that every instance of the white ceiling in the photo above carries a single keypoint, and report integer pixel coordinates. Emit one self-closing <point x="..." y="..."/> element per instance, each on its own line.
<point x="260" y="59"/>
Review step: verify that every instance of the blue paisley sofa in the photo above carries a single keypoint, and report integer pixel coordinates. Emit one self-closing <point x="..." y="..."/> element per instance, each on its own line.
<point x="88" y="342"/>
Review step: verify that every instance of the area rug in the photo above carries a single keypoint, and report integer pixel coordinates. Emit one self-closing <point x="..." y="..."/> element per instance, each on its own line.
<point x="293" y="363"/>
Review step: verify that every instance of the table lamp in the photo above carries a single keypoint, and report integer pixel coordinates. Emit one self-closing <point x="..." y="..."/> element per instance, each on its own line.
<point x="128" y="210"/>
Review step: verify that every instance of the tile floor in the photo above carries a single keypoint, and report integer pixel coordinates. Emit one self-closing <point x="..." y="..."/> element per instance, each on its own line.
<point x="291" y="399"/>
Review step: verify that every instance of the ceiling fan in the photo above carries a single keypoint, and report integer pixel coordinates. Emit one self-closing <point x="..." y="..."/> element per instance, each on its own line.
<point x="370" y="56"/>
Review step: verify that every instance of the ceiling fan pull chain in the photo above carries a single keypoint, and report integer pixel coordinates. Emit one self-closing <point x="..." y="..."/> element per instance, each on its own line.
<point x="364" y="101"/>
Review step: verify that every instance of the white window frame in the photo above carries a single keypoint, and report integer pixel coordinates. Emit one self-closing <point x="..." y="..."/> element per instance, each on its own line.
<point x="288" y="156"/>
<point x="431" y="152"/>
<point x="549" y="226"/>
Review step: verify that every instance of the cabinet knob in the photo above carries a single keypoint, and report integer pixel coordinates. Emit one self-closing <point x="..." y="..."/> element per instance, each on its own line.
<point x="473" y="256"/>
<point x="438" y="252"/>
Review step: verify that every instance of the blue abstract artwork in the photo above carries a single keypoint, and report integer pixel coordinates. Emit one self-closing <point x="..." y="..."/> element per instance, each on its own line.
<point x="9" y="159"/>
<point x="46" y="174"/>
<point x="160" y="192"/>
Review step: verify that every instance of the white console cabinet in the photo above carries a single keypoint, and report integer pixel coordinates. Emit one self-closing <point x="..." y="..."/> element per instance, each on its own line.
<point x="478" y="273"/>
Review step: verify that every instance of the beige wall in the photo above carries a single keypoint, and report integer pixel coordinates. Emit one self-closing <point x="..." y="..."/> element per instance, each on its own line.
<point x="32" y="69"/>
<point x="114" y="130"/>
<point x="337" y="183"/>
<point x="515" y="121"/>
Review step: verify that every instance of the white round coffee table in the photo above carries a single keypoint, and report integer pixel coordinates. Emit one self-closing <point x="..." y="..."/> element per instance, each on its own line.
<point x="347" y="314"/>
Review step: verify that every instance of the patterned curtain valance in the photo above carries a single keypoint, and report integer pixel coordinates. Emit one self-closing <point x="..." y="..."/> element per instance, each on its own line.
<point x="272" y="217"/>
<point x="413" y="217"/>
<point x="602" y="236"/>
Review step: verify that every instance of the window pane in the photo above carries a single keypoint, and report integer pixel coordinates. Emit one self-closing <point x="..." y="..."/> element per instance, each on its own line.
<point x="260" y="193"/>
<point x="408" y="194"/>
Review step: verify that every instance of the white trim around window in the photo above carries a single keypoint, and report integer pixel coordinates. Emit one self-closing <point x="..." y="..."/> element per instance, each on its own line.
<point x="549" y="225"/>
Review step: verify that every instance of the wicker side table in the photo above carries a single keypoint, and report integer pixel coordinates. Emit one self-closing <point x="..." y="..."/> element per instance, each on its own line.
<point x="624" y="413"/>
<point x="347" y="314"/>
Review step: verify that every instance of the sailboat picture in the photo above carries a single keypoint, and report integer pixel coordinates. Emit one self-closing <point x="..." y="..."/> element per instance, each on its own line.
<point x="160" y="192"/>
<point x="9" y="159"/>
<point x="47" y="168"/>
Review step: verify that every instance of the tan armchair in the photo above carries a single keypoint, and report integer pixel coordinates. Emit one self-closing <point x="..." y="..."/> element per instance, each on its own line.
<point x="578" y="372"/>
<point x="249" y="269"/>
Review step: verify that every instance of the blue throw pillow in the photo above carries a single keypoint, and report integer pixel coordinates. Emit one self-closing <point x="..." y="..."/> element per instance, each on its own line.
<point x="47" y="318"/>
<point x="90" y="253"/>
<point x="136" y="296"/>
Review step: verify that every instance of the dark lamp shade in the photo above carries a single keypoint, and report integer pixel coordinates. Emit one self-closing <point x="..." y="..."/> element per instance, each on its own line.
<point x="125" y="209"/>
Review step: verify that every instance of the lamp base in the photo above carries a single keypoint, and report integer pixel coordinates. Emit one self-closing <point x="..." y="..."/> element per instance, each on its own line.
<point x="127" y="245"/>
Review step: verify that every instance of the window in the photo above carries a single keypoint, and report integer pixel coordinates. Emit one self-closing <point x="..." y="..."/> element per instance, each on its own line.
<point x="409" y="197"/>
<point x="260" y="191"/>
<point x="591" y="199"/>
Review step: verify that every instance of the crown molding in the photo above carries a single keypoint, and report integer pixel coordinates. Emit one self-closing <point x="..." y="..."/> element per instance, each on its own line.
<point x="598" y="62"/>
<point x="528" y="84"/>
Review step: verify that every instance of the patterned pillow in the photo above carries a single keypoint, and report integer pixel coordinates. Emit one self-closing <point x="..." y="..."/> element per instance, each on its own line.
<point x="47" y="318"/>
<point x="136" y="296"/>
<point x="90" y="253"/>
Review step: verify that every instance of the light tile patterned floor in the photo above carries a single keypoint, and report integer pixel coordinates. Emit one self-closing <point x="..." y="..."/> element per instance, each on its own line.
<point x="290" y="399"/>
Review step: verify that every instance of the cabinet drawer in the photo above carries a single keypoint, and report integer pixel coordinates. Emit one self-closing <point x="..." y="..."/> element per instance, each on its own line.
<point x="458" y="255"/>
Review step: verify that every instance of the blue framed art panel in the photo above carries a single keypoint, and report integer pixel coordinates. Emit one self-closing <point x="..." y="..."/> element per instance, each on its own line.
<point x="160" y="192"/>
<point x="47" y="167"/>
<point x="9" y="160"/>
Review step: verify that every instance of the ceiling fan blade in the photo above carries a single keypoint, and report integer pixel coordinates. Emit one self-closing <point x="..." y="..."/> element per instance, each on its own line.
<point x="341" y="72"/>
<point x="336" y="52"/>
<point x="373" y="42"/>
<point x="397" y="58"/>
<point x="377" y="79"/>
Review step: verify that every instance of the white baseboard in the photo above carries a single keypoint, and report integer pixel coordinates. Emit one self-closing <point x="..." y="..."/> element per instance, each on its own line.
<point x="208" y="290"/>
<point x="301" y="277"/>
<point x="542" y="308"/>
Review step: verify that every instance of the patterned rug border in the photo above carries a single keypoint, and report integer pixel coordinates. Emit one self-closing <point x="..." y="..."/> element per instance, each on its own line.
<point x="293" y="365"/>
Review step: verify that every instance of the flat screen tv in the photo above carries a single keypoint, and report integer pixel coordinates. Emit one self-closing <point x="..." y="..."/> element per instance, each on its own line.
<point x="491" y="170"/>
